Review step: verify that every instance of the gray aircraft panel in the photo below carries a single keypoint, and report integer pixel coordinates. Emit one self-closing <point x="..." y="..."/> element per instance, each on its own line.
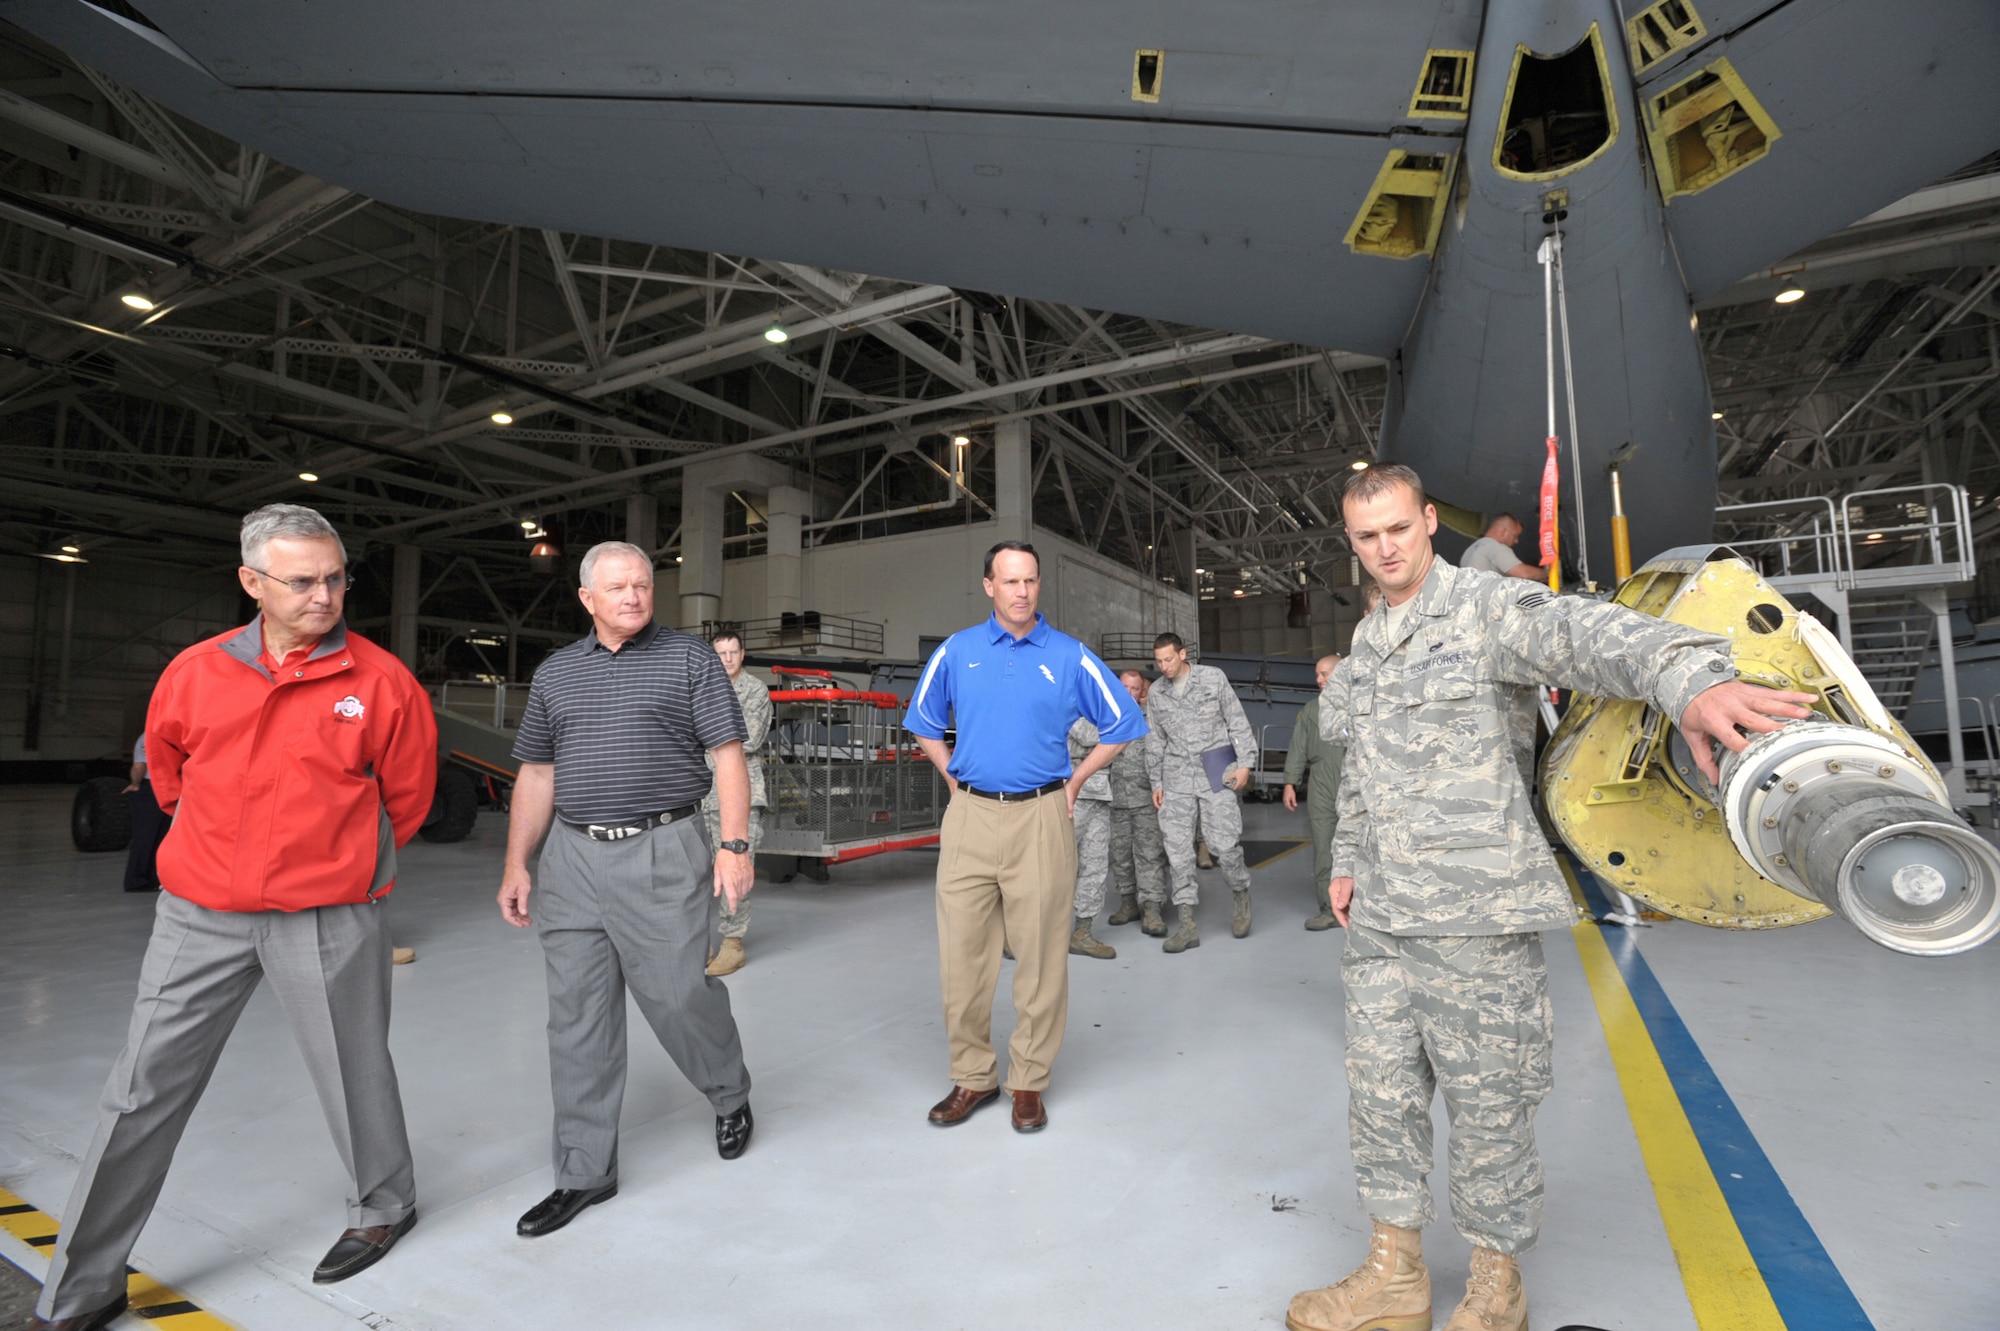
<point x="1871" y="101"/>
<point x="1307" y="64"/>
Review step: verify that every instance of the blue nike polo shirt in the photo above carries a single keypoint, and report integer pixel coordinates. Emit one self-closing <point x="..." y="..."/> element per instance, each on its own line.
<point x="1015" y="700"/>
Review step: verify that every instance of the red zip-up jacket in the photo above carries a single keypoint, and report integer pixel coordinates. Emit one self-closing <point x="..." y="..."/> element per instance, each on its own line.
<point x="290" y="792"/>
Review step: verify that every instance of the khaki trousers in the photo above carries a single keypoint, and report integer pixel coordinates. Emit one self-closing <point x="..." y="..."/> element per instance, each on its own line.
<point x="1006" y="874"/>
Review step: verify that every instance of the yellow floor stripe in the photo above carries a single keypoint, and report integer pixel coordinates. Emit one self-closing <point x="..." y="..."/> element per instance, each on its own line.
<point x="141" y="1291"/>
<point x="1723" y="1284"/>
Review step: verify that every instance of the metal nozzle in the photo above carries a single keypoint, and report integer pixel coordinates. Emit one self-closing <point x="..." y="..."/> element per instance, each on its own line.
<point x="1845" y="817"/>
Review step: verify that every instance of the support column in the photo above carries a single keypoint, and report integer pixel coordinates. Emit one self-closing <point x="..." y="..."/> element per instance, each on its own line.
<point x="784" y="584"/>
<point x="1014" y="480"/>
<point x="642" y="521"/>
<point x="701" y="554"/>
<point x="1935" y="601"/>
<point x="405" y="587"/>
<point x="1181" y="541"/>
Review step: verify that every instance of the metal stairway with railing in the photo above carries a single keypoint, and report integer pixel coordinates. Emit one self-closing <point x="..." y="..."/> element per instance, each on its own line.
<point x="1888" y="636"/>
<point x="1882" y="561"/>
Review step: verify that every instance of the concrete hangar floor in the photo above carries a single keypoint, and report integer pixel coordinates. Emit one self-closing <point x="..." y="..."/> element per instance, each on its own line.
<point x="1788" y="1130"/>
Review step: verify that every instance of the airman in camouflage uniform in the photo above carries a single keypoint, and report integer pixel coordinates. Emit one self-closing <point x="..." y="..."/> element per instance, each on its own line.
<point x="1092" y="817"/>
<point x="1314" y="762"/>
<point x="1138" y="858"/>
<point x="1192" y="711"/>
<point x="1447" y="884"/>
<point x="756" y="702"/>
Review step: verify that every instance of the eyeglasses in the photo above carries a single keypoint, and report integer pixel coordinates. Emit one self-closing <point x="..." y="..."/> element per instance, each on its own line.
<point x="334" y="582"/>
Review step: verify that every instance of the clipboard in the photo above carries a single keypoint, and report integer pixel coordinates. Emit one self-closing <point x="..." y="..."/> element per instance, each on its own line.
<point x="1215" y="762"/>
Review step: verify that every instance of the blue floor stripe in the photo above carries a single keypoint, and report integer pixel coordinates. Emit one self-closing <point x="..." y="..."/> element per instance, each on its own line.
<point x="1805" y="1284"/>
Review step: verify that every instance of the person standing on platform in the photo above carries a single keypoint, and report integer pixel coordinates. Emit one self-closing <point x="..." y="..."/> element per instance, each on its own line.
<point x="1138" y="860"/>
<point x="1445" y="885"/>
<point x="610" y="747"/>
<point x="1007" y="847"/>
<point x="1202" y="754"/>
<point x="261" y="880"/>
<point x="1494" y="551"/>
<point x="149" y="826"/>
<point x="1315" y="763"/>
<point x="1093" y="843"/>
<point x="756" y="703"/>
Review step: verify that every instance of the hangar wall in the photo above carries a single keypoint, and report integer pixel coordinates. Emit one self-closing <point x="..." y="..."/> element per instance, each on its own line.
<point x="927" y="584"/>
<point x="1256" y="625"/>
<point x="126" y="618"/>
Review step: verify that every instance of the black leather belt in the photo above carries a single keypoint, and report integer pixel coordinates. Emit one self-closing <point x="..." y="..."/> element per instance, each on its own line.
<point x="1014" y="796"/>
<point x="601" y="832"/>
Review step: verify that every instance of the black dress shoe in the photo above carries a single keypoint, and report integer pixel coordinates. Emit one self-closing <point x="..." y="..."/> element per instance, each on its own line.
<point x="90" y="1321"/>
<point x="732" y="1132"/>
<point x="358" y="1249"/>
<point x="560" y="1207"/>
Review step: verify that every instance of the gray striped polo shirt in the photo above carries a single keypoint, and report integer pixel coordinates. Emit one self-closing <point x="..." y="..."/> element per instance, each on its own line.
<point x="627" y="730"/>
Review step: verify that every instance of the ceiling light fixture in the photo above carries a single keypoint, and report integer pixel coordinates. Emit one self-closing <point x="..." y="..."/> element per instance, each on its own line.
<point x="528" y="524"/>
<point x="67" y="559"/>
<point x="308" y="475"/>
<point x="1201" y="570"/>
<point x="775" y="335"/>
<point x="501" y="418"/>
<point x="1359" y="464"/>
<point x="1790" y="294"/>
<point x="72" y="549"/>
<point x="1715" y="415"/>
<point x="960" y="441"/>
<point x="138" y="300"/>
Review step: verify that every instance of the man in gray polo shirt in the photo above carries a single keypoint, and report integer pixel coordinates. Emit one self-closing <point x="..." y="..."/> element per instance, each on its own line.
<point x="611" y="750"/>
<point x="1494" y="551"/>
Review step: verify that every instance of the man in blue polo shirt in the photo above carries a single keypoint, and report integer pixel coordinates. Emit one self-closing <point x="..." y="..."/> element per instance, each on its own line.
<point x="1007" y="852"/>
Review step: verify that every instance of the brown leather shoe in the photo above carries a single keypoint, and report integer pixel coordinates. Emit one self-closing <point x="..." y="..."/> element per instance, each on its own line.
<point x="90" y="1321"/>
<point x="958" y="1106"/>
<point x="1029" y="1115"/>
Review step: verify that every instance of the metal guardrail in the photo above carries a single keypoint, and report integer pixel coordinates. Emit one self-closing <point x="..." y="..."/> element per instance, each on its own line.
<point x="1899" y="536"/>
<point x="800" y="630"/>
<point x="1134" y="647"/>
<point x="497" y="705"/>
<point x="1932" y="524"/>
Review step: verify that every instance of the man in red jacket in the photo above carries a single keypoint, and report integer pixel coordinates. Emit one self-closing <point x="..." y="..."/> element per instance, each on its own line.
<point x="295" y="757"/>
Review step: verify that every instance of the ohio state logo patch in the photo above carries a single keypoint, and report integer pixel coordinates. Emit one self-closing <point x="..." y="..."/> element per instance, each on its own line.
<point x="349" y="709"/>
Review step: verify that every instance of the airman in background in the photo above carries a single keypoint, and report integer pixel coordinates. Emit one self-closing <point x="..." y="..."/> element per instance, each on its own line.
<point x="1202" y="756"/>
<point x="1138" y="858"/>
<point x="1315" y="763"/>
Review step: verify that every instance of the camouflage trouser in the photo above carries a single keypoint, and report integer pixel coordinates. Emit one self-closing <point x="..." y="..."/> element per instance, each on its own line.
<point x="1093" y="855"/>
<point x="1221" y="822"/>
<point x="734" y="923"/>
<point x="1138" y="860"/>
<point x="1470" y="1016"/>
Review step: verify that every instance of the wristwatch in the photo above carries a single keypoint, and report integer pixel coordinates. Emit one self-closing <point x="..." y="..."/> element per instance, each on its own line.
<point x="739" y="846"/>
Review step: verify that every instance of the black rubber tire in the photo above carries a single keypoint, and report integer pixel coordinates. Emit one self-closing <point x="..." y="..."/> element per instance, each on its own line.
<point x="454" y="808"/>
<point x="101" y="817"/>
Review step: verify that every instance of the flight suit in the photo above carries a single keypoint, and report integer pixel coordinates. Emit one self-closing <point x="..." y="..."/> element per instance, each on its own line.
<point x="1198" y="713"/>
<point x="1138" y="858"/>
<point x="756" y="702"/>
<point x="1446" y="985"/>
<point x="1315" y="763"/>
<point x="1093" y="824"/>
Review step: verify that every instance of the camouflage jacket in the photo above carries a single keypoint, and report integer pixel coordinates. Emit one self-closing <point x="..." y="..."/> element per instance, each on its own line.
<point x="1131" y="779"/>
<point x="1082" y="739"/>
<point x="1189" y="718"/>
<point x="1435" y="824"/>
<point x="755" y="699"/>
<point x="1314" y="761"/>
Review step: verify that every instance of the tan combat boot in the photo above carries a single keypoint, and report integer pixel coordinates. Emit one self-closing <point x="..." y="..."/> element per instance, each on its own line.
<point x="729" y="958"/>
<point x="1391" y="1291"/>
<point x="1082" y="944"/>
<point x="1494" y="1299"/>
<point x="1186" y="936"/>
